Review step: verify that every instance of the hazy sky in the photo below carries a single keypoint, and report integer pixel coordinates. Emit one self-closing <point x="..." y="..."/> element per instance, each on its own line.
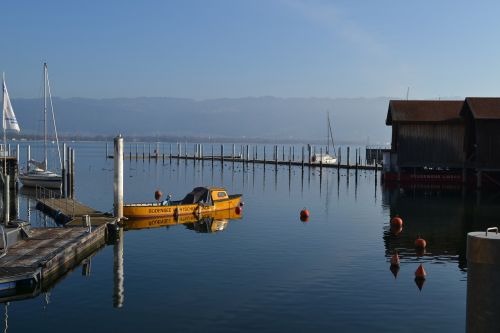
<point x="230" y="48"/>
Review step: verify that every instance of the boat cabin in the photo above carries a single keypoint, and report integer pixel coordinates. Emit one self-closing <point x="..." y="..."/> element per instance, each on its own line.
<point x="206" y="195"/>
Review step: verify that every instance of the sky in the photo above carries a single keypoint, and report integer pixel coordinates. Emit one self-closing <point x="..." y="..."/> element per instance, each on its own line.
<point x="205" y="49"/>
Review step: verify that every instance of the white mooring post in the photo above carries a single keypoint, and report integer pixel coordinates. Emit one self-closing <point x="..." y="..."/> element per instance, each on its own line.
<point x="118" y="177"/>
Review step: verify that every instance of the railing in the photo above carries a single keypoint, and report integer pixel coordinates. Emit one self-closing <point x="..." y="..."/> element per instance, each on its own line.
<point x="64" y="205"/>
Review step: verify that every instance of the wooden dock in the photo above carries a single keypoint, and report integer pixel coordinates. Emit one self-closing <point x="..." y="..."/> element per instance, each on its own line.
<point x="347" y="158"/>
<point x="47" y="253"/>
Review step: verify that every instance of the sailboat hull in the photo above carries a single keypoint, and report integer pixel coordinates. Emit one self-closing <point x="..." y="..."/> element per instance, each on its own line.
<point x="47" y="180"/>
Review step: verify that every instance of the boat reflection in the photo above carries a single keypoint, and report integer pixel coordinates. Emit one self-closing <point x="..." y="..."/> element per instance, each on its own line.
<point x="203" y="223"/>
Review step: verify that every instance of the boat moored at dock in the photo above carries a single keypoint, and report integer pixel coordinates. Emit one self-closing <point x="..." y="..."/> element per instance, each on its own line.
<point x="200" y="200"/>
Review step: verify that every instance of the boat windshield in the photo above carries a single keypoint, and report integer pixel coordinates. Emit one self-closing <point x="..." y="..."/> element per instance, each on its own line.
<point x="197" y="195"/>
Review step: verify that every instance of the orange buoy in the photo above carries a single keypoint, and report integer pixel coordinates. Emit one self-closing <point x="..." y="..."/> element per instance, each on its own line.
<point x="395" y="259"/>
<point x="396" y="229"/>
<point x="158" y="195"/>
<point x="304" y="213"/>
<point x="420" y="273"/>
<point x="420" y="243"/>
<point x="397" y="221"/>
<point x="237" y="210"/>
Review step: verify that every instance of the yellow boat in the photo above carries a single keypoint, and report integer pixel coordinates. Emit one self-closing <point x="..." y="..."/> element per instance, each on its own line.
<point x="214" y="221"/>
<point x="199" y="201"/>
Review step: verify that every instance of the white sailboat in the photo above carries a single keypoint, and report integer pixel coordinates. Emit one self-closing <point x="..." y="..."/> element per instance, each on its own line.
<point x="38" y="173"/>
<point x="327" y="157"/>
<point x="9" y="121"/>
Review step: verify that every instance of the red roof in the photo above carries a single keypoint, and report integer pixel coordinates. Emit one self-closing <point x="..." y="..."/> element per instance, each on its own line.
<point x="424" y="111"/>
<point x="484" y="107"/>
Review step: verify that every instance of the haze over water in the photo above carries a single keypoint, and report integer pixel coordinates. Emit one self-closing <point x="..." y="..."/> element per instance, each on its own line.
<point x="267" y="271"/>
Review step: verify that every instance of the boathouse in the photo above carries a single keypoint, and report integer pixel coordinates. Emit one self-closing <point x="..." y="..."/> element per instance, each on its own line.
<point x="426" y="135"/>
<point x="482" y="133"/>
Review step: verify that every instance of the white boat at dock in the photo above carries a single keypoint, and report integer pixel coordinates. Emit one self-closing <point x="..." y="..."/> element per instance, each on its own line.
<point x="326" y="157"/>
<point x="39" y="174"/>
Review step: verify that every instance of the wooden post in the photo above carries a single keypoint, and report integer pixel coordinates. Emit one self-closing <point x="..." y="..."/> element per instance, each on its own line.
<point x="63" y="170"/>
<point x="303" y="155"/>
<point x="170" y="157"/>
<point x="72" y="167"/>
<point x="136" y="151"/>
<point x="264" y="154"/>
<point x="6" y="201"/>
<point x="107" y="154"/>
<point x="68" y="171"/>
<point x="118" y="177"/>
<point x="276" y="155"/>
<point x="212" y="154"/>
<point x="356" y="165"/>
<point x="28" y="157"/>
<point x="149" y="151"/>
<point x="339" y="160"/>
<point x="283" y="153"/>
<point x="222" y="154"/>
<point x="321" y="161"/>
<point x="130" y="151"/>
<point x="348" y="152"/>
<point x="143" y="151"/>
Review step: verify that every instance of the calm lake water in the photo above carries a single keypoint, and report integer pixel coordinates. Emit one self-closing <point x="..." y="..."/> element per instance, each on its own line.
<point x="267" y="271"/>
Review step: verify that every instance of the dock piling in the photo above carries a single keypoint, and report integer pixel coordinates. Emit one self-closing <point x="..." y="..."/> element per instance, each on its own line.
<point x="118" y="177"/>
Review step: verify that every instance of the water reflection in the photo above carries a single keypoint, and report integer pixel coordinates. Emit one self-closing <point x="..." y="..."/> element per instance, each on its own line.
<point x="204" y="223"/>
<point x="442" y="216"/>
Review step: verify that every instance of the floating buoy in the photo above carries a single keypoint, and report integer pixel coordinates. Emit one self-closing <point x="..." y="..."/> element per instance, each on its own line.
<point x="304" y="218"/>
<point x="237" y="210"/>
<point x="242" y="204"/>
<point x="396" y="229"/>
<point x="158" y="195"/>
<point x="304" y="213"/>
<point x="396" y="221"/>
<point x="420" y="243"/>
<point x="420" y="273"/>
<point x="395" y="259"/>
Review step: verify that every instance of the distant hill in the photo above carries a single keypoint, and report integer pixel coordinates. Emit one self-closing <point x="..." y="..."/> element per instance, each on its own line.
<point x="270" y="118"/>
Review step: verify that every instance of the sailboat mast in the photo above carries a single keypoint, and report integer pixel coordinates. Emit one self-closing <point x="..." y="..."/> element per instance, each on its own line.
<point x="45" y="113"/>
<point x="3" y="126"/>
<point x="328" y="134"/>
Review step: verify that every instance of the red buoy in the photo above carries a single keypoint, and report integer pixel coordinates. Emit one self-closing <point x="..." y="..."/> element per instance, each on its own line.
<point x="304" y="218"/>
<point x="420" y="273"/>
<point x="395" y="259"/>
<point x="420" y="243"/>
<point x="158" y="195"/>
<point x="304" y="213"/>
<point x="237" y="210"/>
<point x="397" y="221"/>
<point x="396" y="229"/>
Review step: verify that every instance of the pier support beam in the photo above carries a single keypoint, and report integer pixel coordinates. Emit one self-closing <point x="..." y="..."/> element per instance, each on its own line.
<point x="118" y="177"/>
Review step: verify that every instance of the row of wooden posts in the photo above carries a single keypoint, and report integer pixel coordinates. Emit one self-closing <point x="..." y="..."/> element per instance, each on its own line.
<point x="249" y="154"/>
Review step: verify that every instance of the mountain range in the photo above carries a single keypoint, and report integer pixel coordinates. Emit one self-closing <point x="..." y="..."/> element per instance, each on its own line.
<point x="269" y="118"/>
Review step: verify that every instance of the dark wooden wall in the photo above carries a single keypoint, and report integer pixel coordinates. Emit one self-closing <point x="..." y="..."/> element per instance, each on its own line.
<point x="430" y="144"/>
<point x="487" y="150"/>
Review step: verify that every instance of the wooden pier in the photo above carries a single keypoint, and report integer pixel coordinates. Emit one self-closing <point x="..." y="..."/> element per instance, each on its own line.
<point x="47" y="253"/>
<point x="286" y="156"/>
